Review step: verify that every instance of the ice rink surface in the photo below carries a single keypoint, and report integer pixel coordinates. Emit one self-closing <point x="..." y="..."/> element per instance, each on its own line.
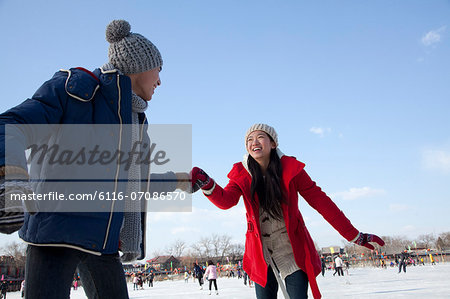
<point x="418" y="282"/>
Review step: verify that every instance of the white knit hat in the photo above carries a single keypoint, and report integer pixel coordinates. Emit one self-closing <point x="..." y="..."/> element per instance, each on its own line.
<point x="265" y="128"/>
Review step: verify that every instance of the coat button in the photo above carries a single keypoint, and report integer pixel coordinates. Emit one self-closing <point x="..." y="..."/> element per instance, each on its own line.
<point x="94" y="246"/>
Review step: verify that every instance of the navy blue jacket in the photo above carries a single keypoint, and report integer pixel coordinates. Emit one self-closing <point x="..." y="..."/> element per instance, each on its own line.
<point x="77" y="96"/>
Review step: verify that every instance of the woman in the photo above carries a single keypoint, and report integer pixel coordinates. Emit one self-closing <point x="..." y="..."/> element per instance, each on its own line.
<point x="211" y="275"/>
<point x="277" y="241"/>
<point x="198" y="273"/>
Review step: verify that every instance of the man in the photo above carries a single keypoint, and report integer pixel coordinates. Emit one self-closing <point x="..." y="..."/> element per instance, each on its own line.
<point x="338" y="262"/>
<point x="59" y="243"/>
<point x="151" y="276"/>
<point x="324" y="265"/>
<point x="403" y="261"/>
<point x="198" y="273"/>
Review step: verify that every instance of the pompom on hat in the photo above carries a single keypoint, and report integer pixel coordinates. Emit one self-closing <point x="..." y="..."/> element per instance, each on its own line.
<point x="130" y="52"/>
<point x="265" y="128"/>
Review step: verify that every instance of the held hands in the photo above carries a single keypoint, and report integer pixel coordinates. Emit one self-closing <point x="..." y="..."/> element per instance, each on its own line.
<point x="12" y="211"/>
<point x="365" y="239"/>
<point x="200" y="180"/>
<point x="183" y="181"/>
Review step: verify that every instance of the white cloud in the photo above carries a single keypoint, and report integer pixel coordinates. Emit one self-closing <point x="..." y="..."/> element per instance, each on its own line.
<point x="433" y="36"/>
<point x="320" y="131"/>
<point x="398" y="208"/>
<point x="357" y="193"/>
<point x="437" y="160"/>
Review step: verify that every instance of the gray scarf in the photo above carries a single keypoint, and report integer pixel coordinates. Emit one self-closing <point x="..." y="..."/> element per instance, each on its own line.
<point x="131" y="231"/>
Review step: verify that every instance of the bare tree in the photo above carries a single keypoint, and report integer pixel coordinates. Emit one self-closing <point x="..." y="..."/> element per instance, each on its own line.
<point x="205" y="246"/>
<point x="440" y="244"/>
<point x="395" y="244"/>
<point x="225" y="243"/>
<point x="177" y="248"/>
<point x="157" y="252"/>
<point x="445" y="238"/>
<point x="236" y="251"/>
<point x="196" y="250"/>
<point x="17" y="251"/>
<point x="427" y="239"/>
<point x="215" y="244"/>
<point x="220" y="245"/>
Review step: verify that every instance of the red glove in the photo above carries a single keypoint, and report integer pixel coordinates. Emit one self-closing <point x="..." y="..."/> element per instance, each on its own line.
<point x="200" y="180"/>
<point x="364" y="239"/>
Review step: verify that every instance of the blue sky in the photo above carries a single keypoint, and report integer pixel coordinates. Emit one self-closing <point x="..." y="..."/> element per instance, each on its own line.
<point x="358" y="90"/>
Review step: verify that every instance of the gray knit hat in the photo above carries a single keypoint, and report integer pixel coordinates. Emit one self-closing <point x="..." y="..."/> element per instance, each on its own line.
<point x="265" y="128"/>
<point x="129" y="52"/>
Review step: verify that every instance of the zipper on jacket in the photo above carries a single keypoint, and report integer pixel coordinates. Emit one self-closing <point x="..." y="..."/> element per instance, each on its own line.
<point x="144" y="228"/>
<point x="148" y="170"/>
<point x="118" y="165"/>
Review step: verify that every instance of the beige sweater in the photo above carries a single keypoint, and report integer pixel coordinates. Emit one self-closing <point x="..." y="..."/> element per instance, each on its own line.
<point x="276" y="244"/>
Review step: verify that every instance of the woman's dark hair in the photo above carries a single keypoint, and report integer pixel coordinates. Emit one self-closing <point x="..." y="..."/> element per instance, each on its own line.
<point x="269" y="190"/>
<point x="210" y="262"/>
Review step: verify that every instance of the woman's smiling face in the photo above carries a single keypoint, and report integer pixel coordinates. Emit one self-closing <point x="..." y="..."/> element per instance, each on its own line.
<point x="259" y="146"/>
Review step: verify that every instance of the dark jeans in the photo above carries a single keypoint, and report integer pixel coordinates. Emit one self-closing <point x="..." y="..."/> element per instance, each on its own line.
<point x="210" y="283"/>
<point x="339" y="271"/>
<point x="49" y="273"/>
<point x="402" y="265"/>
<point x="296" y="285"/>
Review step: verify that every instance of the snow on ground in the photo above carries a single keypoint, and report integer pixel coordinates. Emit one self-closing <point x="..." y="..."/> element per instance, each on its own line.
<point x="418" y="282"/>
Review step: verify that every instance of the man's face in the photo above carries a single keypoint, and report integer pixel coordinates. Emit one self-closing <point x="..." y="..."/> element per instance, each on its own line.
<point x="145" y="83"/>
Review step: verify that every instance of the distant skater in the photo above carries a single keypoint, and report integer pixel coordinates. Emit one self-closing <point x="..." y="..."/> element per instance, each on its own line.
<point x="403" y="261"/>
<point x="151" y="276"/>
<point x="211" y="275"/>
<point x="338" y="268"/>
<point x="198" y="273"/>
<point x="433" y="262"/>
<point x="324" y="266"/>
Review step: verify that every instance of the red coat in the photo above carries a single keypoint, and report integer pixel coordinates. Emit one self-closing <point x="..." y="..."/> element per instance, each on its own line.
<point x="295" y="180"/>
